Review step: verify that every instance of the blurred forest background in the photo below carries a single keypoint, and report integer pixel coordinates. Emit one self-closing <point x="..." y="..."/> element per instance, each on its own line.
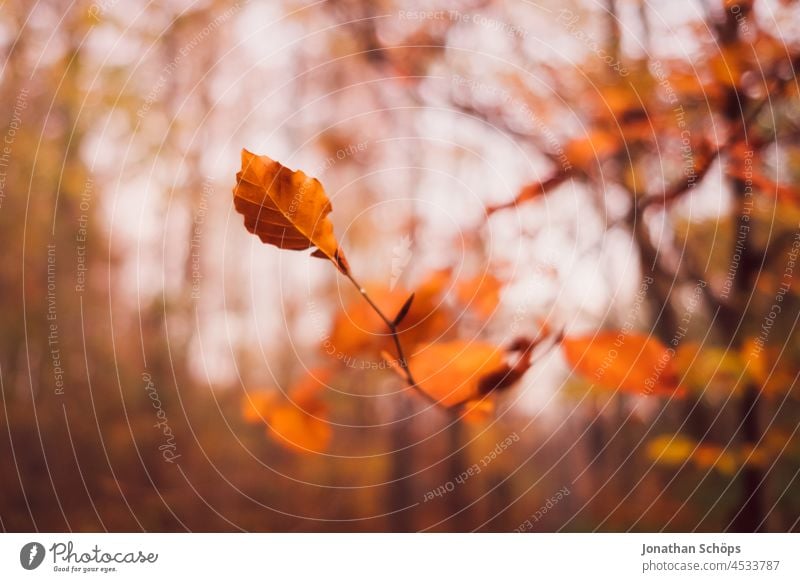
<point x="616" y="165"/>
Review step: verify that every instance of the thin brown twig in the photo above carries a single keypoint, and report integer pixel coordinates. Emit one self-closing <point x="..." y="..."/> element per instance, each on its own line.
<point x="395" y="337"/>
<point x="533" y="190"/>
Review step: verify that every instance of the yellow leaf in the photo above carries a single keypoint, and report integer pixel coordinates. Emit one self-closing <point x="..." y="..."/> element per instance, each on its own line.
<point x="285" y="208"/>
<point x="670" y="449"/>
<point x="709" y="367"/>
<point x="767" y="366"/>
<point x="709" y="456"/>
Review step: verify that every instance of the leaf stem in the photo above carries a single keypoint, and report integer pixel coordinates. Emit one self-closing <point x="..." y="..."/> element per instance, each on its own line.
<point x="393" y="330"/>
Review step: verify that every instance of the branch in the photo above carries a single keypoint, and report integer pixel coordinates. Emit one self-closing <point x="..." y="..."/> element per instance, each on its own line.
<point x="533" y="190"/>
<point x="682" y="186"/>
<point x="497" y="121"/>
<point x="401" y="357"/>
<point x="687" y="182"/>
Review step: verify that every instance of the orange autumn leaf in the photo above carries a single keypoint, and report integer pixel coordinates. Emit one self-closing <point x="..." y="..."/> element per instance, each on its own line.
<point x="729" y="63"/>
<point x="478" y="411"/>
<point x="306" y="392"/>
<point x="480" y="294"/>
<point x="456" y="372"/>
<point x="618" y="361"/>
<point x="299" y="431"/>
<point x="296" y="421"/>
<point x="256" y="405"/>
<point x="285" y="208"/>
<point x="596" y="147"/>
<point x="358" y="329"/>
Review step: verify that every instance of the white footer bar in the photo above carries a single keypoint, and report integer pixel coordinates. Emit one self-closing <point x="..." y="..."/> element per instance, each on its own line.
<point x="401" y="557"/>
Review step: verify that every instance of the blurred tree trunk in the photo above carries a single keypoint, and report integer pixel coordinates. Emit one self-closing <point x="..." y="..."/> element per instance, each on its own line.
<point x="459" y="514"/>
<point x="402" y="467"/>
<point x="750" y="516"/>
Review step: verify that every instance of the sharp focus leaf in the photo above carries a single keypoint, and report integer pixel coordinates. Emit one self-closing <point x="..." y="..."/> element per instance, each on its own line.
<point x="285" y="208"/>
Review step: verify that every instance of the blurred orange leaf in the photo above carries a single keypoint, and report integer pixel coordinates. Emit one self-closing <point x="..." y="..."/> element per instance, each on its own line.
<point x="299" y="431"/>
<point x="481" y="294"/>
<point x="618" y="361"/>
<point x="358" y="329"/>
<point x="728" y="64"/>
<point x="597" y="146"/>
<point x="255" y="405"/>
<point x="456" y="372"/>
<point x="477" y="411"/>
<point x="298" y="420"/>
